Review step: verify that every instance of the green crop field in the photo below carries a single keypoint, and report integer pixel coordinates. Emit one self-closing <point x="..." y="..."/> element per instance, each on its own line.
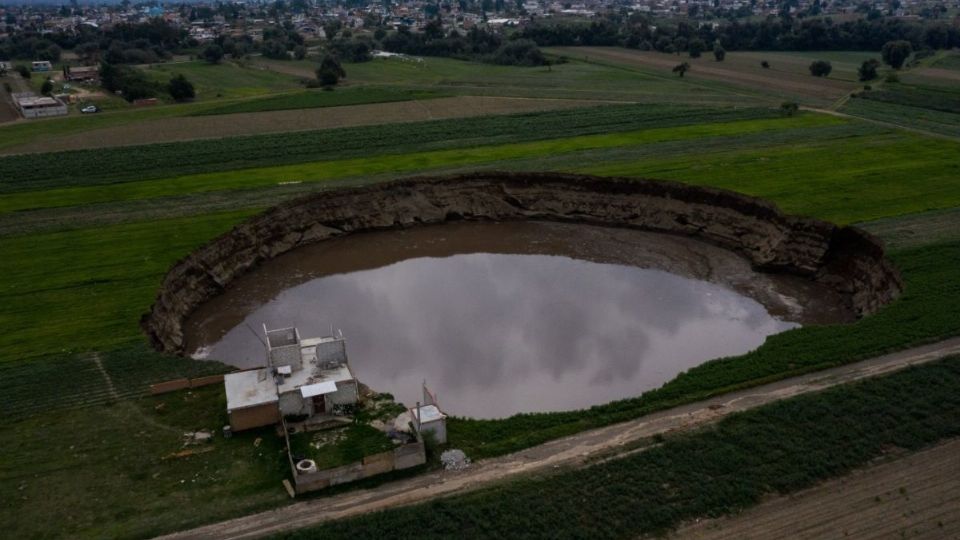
<point x="318" y="98"/>
<point x="87" y="236"/>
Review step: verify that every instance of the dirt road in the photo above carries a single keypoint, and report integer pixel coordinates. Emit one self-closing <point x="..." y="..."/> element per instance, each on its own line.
<point x="914" y="496"/>
<point x="573" y="450"/>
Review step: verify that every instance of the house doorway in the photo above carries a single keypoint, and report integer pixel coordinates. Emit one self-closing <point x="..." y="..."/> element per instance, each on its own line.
<point x="319" y="404"/>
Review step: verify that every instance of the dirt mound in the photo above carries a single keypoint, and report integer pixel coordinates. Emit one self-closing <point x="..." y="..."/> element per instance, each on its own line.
<point x="846" y="259"/>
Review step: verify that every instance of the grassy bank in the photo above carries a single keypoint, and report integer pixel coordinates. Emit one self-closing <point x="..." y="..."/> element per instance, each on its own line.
<point x="778" y="448"/>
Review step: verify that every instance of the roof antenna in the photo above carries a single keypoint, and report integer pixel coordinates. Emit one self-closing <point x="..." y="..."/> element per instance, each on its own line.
<point x="256" y="335"/>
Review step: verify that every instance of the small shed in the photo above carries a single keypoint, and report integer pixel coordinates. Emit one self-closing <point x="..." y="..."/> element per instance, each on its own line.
<point x="430" y="419"/>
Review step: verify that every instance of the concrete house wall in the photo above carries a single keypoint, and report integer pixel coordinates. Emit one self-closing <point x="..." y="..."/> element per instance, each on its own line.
<point x="292" y="403"/>
<point x="252" y="417"/>
<point x="438" y="428"/>
<point x="346" y="394"/>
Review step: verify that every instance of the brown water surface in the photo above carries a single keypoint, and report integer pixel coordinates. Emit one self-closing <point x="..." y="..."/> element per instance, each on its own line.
<point x="501" y="318"/>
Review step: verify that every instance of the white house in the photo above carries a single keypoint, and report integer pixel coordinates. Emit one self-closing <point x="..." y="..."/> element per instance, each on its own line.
<point x="303" y="378"/>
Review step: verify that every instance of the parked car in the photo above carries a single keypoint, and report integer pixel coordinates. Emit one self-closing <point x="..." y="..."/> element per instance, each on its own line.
<point x="88" y="109"/>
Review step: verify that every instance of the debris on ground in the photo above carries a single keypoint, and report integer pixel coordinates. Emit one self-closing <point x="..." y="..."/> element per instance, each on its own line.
<point x="189" y="452"/>
<point x="197" y="437"/>
<point x="454" y="460"/>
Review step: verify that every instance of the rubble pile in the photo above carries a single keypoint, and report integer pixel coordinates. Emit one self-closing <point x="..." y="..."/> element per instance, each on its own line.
<point x="454" y="460"/>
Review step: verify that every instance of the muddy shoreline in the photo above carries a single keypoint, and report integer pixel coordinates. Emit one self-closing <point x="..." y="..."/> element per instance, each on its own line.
<point x="846" y="260"/>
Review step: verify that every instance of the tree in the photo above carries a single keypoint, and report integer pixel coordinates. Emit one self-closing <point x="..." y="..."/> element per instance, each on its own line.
<point x="789" y="108"/>
<point x="719" y="53"/>
<point x="696" y="48"/>
<point x="47" y="87"/>
<point x="680" y="69"/>
<point x="23" y="71"/>
<point x="868" y="70"/>
<point x="180" y="88"/>
<point x="274" y="49"/>
<point x="895" y="53"/>
<point x="820" y="68"/>
<point x="213" y="53"/>
<point x="299" y="52"/>
<point x="330" y="71"/>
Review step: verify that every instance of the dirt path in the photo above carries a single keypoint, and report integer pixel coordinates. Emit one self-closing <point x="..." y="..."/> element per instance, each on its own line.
<point x="918" y="131"/>
<point x="573" y="450"/>
<point x="916" y="496"/>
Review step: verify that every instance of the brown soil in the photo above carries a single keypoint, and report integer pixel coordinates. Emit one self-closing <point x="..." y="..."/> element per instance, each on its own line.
<point x="916" y="496"/>
<point x="580" y="450"/>
<point x="739" y="69"/>
<point x="938" y="73"/>
<point x="229" y="125"/>
<point x="844" y="259"/>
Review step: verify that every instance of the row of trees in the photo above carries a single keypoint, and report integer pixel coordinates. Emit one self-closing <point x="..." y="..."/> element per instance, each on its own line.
<point x="477" y="44"/>
<point x="637" y="31"/>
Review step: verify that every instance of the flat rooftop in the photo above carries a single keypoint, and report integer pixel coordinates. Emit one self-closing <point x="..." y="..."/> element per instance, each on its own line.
<point x="429" y="412"/>
<point x="249" y="388"/>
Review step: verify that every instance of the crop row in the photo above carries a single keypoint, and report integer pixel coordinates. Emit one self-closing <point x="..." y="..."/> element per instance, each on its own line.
<point x="937" y="99"/>
<point x="71" y="381"/>
<point x="941" y="122"/>
<point x="317" y="99"/>
<point x="125" y="164"/>
<point x="779" y="448"/>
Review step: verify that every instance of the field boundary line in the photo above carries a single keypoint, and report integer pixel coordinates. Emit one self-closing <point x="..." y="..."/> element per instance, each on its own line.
<point x="111" y="389"/>
<point x="572" y="451"/>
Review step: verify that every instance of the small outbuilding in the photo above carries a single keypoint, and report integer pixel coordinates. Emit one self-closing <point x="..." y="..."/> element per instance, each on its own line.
<point x="428" y="418"/>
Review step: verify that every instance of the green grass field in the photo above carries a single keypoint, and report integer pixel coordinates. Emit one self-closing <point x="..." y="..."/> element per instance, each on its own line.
<point x="225" y="80"/>
<point x="311" y="99"/>
<point x="88" y="235"/>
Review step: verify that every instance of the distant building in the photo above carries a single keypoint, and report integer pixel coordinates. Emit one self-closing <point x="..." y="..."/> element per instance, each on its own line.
<point x="305" y="378"/>
<point x="82" y="73"/>
<point x="32" y="106"/>
<point x="41" y="65"/>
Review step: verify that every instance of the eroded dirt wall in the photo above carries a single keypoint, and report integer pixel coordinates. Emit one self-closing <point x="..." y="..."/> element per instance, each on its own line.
<point x="844" y="258"/>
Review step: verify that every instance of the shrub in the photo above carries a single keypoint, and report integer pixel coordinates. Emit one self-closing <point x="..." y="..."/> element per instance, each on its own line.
<point x="820" y="68"/>
<point x="180" y="88"/>
<point x="789" y="108"/>
<point x="213" y="53"/>
<point x="719" y="53"/>
<point x="868" y="70"/>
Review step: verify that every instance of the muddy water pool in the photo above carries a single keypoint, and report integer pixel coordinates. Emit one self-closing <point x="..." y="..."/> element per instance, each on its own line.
<point x="501" y="318"/>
